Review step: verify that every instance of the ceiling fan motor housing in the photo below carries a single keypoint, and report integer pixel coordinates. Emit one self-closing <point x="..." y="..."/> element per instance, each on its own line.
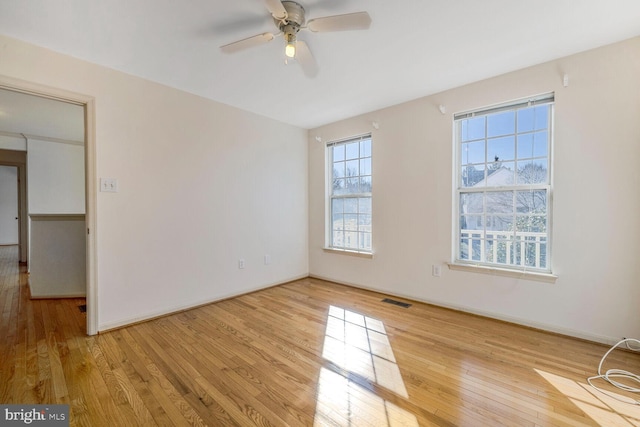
<point x="295" y="17"/>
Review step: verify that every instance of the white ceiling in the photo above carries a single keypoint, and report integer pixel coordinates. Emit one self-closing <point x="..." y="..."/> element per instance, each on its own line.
<point x="414" y="47"/>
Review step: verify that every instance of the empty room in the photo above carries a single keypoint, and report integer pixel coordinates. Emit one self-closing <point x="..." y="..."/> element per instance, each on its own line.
<point x="320" y="213"/>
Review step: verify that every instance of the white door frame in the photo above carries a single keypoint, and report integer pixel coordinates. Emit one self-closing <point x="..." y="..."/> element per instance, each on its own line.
<point x="90" y="179"/>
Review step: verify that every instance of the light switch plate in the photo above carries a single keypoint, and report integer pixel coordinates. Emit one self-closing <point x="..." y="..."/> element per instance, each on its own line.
<point x="109" y="185"/>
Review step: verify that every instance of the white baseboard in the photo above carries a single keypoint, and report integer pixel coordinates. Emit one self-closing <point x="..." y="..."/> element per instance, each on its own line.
<point x="104" y="327"/>
<point x="511" y="319"/>
<point x="58" y="296"/>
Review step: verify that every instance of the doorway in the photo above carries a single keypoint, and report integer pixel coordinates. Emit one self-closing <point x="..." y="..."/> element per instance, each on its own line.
<point x="9" y="230"/>
<point x="19" y="92"/>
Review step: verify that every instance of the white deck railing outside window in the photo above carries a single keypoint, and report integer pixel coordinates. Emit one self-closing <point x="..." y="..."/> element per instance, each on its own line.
<point x="523" y="249"/>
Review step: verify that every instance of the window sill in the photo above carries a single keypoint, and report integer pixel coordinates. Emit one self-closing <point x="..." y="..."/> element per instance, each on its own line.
<point x="368" y="255"/>
<point x="495" y="271"/>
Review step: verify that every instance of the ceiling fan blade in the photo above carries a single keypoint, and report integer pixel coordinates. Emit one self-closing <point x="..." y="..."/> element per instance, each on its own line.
<point x="306" y="59"/>
<point x="247" y="43"/>
<point x="350" y="21"/>
<point x="276" y="9"/>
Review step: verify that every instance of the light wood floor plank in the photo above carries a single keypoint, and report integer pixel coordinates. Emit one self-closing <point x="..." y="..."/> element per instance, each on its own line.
<point x="305" y="353"/>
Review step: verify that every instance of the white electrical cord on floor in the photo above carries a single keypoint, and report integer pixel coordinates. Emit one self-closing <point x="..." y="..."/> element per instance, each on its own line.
<point x="612" y="375"/>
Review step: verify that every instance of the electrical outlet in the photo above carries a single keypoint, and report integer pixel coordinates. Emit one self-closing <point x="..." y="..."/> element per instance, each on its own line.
<point x="267" y="259"/>
<point x="436" y="270"/>
<point x="241" y="263"/>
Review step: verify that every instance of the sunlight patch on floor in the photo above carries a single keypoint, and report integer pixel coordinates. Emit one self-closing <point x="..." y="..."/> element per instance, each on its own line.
<point x="603" y="409"/>
<point x="358" y="345"/>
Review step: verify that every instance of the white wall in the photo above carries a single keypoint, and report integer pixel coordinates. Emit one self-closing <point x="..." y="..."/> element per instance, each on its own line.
<point x="55" y="177"/>
<point x="12" y="143"/>
<point x="8" y="205"/>
<point x="201" y="185"/>
<point x="595" y="208"/>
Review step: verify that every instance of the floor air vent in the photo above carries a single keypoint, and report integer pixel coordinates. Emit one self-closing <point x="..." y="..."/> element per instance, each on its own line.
<point x="394" y="302"/>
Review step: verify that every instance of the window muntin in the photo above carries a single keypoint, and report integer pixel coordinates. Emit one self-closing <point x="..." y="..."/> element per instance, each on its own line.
<point x="504" y="184"/>
<point x="350" y="194"/>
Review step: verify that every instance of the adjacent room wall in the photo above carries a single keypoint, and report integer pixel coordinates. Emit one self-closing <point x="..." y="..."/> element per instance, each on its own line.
<point x="55" y="177"/>
<point x="8" y="205"/>
<point x="201" y="185"/>
<point x="596" y="201"/>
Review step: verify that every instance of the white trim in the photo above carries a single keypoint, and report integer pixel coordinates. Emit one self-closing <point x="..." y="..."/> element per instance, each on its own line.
<point x="27" y="87"/>
<point x="347" y="252"/>
<point x="497" y="271"/>
<point x="190" y="305"/>
<point x="57" y="296"/>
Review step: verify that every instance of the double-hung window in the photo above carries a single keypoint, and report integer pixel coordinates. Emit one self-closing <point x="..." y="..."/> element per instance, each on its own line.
<point x="349" y="226"/>
<point x="503" y="185"/>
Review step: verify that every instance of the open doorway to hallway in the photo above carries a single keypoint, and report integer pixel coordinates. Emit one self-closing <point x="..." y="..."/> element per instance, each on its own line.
<point x="50" y="133"/>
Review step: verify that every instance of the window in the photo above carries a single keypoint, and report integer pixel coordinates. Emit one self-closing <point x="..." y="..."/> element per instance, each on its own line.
<point x="350" y="194"/>
<point x="503" y="185"/>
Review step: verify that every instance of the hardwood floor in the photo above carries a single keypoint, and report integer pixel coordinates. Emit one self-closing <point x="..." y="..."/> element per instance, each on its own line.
<point x="303" y="353"/>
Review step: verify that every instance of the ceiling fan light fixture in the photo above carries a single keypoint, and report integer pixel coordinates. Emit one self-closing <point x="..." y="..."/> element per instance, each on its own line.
<point x="290" y="48"/>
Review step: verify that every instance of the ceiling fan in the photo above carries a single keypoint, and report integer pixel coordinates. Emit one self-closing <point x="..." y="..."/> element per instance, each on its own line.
<point x="289" y="17"/>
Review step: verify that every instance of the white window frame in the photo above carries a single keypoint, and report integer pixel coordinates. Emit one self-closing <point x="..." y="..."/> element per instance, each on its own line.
<point x="458" y="262"/>
<point x="362" y="230"/>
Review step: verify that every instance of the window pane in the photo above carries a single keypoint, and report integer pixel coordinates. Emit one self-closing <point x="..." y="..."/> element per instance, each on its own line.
<point x="525" y="146"/>
<point x="534" y="201"/>
<point x="526" y="120"/>
<point x="351" y="222"/>
<point x="499" y="202"/>
<point x="365" y="166"/>
<point x="337" y="237"/>
<point x="365" y="148"/>
<point x="352" y="168"/>
<point x="365" y="241"/>
<point x="500" y="174"/>
<point x="364" y="205"/>
<point x="351" y="240"/>
<point x="464" y="248"/>
<point x="540" y="144"/>
<point x="337" y="206"/>
<point x="472" y="176"/>
<point x="471" y="203"/>
<point x="338" y="153"/>
<point x="500" y="224"/>
<point x="500" y="149"/>
<point x="532" y="224"/>
<point x="339" y="186"/>
<point x="541" y="117"/>
<point x="471" y="222"/>
<point x="532" y="172"/>
<point x="338" y="169"/>
<point x="471" y="129"/>
<point x="501" y="124"/>
<point x="353" y="150"/>
<point x="473" y="152"/>
<point x="351" y="205"/>
<point x="364" y="220"/>
<point x="496" y="251"/>
<point x="365" y="184"/>
<point x="352" y="185"/>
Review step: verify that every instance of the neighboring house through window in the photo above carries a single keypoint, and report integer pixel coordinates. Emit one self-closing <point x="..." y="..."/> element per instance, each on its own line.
<point x="503" y="185"/>
<point x="349" y="174"/>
